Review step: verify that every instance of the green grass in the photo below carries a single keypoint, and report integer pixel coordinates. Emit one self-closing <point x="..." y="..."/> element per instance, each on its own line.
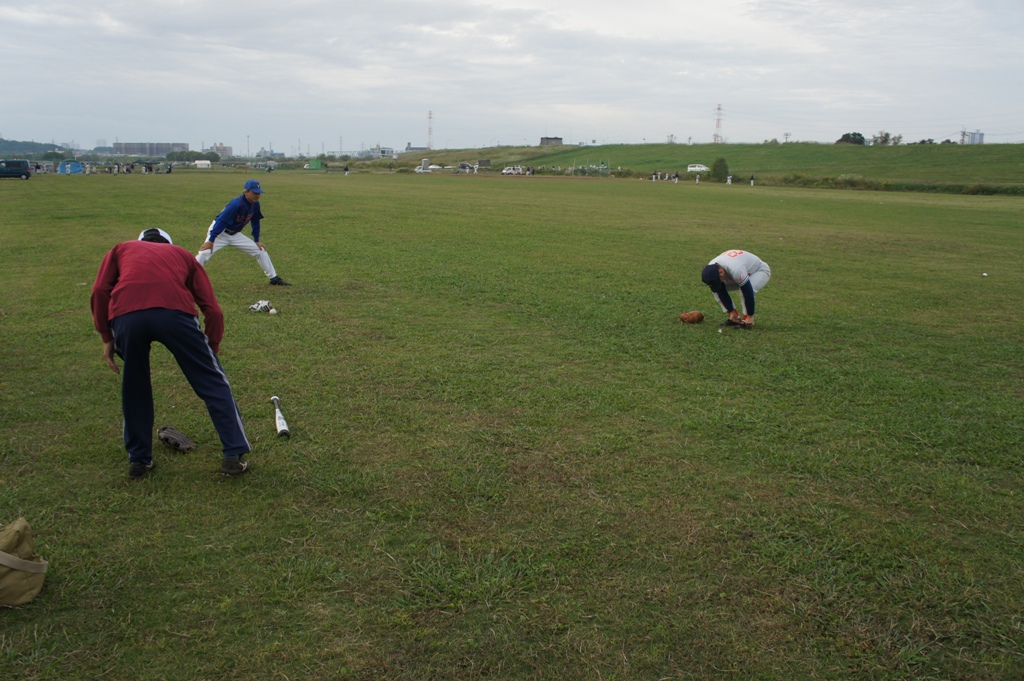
<point x="508" y="457"/>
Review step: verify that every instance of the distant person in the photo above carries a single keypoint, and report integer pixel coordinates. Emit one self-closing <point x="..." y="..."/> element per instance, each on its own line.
<point x="736" y="271"/>
<point x="226" y="230"/>
<point x="751" y="180"/>
<point x="146" y="291"/>
<point x="728" y="180"/>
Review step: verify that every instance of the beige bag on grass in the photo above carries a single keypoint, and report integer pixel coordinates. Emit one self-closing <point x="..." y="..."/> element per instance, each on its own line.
<point x="22" y="571"/>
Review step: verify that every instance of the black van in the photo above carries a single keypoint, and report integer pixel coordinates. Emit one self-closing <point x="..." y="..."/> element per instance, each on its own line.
<point x="18" y="169"/>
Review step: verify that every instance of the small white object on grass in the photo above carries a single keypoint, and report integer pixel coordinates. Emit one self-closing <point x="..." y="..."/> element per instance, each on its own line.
<point x="984" y="274"/>
<point x="273" y="310"/>
<point x="719" y="331"/>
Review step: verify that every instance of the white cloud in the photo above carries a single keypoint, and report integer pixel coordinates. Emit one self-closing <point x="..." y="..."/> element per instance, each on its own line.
<point x="509" y="70"/>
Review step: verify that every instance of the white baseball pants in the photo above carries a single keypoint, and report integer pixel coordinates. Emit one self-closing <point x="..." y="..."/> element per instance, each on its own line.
<point x="242" y="243"/>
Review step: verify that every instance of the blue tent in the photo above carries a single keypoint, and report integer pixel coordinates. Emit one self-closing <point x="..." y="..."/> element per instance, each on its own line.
<point x="76" y="168"/>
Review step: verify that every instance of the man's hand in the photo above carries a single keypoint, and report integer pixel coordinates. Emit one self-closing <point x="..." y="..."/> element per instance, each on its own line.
<point x="207" y="245"/>
<point x="108" y="356"/>
<point x="260" y="244"/>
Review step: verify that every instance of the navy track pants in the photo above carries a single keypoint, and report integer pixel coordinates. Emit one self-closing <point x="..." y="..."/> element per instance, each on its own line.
<point x="181" y="334"/>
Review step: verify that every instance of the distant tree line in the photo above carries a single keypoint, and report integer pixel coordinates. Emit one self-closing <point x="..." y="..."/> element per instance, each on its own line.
<point x="883" y="139"/>
<point x="192" y="156"/>
<point x="9" y="148"/>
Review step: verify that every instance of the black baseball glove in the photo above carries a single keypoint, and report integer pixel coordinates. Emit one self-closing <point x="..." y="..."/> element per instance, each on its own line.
<point x="175" y="439"/>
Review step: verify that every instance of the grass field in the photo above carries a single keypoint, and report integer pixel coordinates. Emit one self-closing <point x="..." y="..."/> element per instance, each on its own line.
<point x="509" y="459"/>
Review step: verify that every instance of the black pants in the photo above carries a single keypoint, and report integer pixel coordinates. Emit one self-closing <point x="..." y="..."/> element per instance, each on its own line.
<point x="180" y="333"/>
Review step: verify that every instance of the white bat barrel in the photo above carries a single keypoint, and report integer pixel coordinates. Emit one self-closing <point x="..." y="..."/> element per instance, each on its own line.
<point x="282" y="425"/>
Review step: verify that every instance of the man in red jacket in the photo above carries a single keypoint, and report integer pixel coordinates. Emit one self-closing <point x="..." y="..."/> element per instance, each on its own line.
<point x="148" y="290"/>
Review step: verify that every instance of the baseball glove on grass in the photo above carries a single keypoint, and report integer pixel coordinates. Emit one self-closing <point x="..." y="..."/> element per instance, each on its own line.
<point x="175" y="439"/>
<point x="692" y="317"/>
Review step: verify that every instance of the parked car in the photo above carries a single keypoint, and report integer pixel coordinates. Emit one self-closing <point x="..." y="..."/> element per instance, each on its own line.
<point x="15" y="168"/>
<point x="697" y="168"/>
<point x="512" y="170"/>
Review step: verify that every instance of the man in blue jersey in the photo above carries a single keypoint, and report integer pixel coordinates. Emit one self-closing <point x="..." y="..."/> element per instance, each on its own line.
<point x="226" y="230"/>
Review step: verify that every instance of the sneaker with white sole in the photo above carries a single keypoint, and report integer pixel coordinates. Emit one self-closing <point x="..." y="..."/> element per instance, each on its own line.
<point x="137" y="469"/>
<point x="234" y="465"/>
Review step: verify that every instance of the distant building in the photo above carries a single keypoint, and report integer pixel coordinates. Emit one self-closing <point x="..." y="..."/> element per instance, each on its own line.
<point x="264" y="153"/>
<point x="551" y="141"/>
<point x="220" y="150"/>
<point x="976" y="137"/>
<point x="148" y="148"/>
<point x="376" y="152"/>
<point x="410" y="147"/>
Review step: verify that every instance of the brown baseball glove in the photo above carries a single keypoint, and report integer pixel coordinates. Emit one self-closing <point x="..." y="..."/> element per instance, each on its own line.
<point x="692" y="317"/>
<point x="175" y="439"/>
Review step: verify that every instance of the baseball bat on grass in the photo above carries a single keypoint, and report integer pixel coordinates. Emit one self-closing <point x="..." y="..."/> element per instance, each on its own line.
<point x="282" y="425"/>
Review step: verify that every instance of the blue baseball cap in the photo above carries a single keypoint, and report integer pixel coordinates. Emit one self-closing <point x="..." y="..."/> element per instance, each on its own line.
<point x="710" y="275"/>
<point x="253" y="186"/>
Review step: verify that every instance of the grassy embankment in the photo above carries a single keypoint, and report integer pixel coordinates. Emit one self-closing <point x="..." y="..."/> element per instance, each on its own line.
<point x="948" y="168"/>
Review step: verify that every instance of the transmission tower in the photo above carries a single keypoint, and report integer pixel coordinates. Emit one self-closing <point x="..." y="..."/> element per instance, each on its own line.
<point x="718" y="125"/>
<point x="430" y="130"/>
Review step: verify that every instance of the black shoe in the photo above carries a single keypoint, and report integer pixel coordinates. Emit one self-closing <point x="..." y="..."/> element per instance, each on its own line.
<point x="137" y="469"/>
<point x="234" y="465"/>
<point x="278" y="281"/>
<point x="731" y="322"/>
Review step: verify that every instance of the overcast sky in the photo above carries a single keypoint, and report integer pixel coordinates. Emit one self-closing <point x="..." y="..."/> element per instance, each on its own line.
<point x="312" y="75"/>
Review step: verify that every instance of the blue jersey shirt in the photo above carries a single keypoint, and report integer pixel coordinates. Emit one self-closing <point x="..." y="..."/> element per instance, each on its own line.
<point x="235" y="216"/>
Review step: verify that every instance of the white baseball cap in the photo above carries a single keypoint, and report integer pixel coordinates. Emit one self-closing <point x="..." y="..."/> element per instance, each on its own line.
<point x="155" y="234"/>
